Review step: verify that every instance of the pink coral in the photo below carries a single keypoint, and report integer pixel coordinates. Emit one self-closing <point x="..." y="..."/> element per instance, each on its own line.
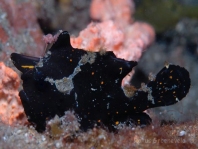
<point x="50" y="39"/>
<point x="96" y="36"/>
<point x="126" y="39"/>
<point x="11" y="108"/>
<point x="115" y="10"/>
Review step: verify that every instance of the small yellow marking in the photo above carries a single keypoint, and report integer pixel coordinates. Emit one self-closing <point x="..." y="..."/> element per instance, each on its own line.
<point x="160" y="82"/>
<point x="27" y="66"/>
<point x="101" y="82"/>
<point x="170" y="77"/>
<point x="138" y="121"/>
<point x="117" y="122"/>
<point x="134" y="107"/>
<point x="159" y="101"/>
<point x="173" y="92"/>
<point x="117" y="112"/>
<point x="120" y="70"/>
<point x="70" y="60"/>
<point x="92" y="73"/>
<point x="99" y="121"/>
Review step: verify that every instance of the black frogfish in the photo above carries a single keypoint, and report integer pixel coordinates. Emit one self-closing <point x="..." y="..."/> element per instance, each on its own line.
<point x="89" y="83"/>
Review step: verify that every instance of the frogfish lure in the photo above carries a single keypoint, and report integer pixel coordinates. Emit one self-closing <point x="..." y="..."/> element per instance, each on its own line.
<point x="89" y="83"/>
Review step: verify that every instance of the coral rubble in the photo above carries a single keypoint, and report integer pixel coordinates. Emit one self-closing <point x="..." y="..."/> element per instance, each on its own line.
<point x="163" y="137"/>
